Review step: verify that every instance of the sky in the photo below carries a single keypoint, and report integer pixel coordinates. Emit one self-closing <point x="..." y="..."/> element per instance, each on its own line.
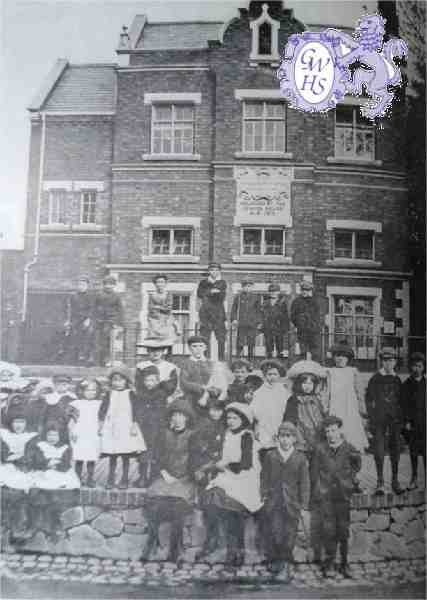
<point x="34" y="34"/>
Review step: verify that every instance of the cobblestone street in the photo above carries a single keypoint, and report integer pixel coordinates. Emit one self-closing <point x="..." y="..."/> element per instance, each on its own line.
<point x="23" y="575"/>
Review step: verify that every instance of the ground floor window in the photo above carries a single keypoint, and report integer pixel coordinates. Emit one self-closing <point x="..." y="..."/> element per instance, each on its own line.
<point x="354" y="323"/>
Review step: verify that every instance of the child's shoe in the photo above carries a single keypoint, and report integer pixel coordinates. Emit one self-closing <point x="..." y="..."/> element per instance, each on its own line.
<point x="345" y="572"/>
<point x="413" y="484"/>
<point x="379" y="491"/>
<point x="395" y="486"/>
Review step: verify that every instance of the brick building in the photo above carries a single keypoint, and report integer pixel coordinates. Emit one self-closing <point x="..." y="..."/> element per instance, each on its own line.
<point x="185" y="152"/>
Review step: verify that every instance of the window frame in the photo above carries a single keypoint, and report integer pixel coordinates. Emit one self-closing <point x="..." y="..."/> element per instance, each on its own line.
<point x="93" y="192"/>
<point x="353" y="233"/>
<point x="173" y="105"/>
<point x="263" y="244"/>
<point x="51" y="195"/>
<point x="355" y="127"/>
<point x="264" y="119"/>
<point x="171" y="229"/>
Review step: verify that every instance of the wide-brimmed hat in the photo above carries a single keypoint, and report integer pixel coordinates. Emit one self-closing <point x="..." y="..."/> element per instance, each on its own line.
<point x="120" y="368"/>
<point x="342" y="350"/>
<point x="306" y="285"/>
<point x="156" y="343"/>
<point x="306" y="367"/>
<point x="197" y="339"/>
<point x="243" y="410"/>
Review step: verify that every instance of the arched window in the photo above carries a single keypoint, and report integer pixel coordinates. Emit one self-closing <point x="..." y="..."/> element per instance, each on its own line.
<point x="264" y="39"/>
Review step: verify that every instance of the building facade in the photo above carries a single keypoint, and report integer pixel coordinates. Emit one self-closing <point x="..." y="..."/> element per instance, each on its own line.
<point x="184" y="152"/>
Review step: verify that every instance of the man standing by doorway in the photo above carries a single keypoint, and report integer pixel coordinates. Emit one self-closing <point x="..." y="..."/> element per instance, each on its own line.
<point x="245" y="316"/>
<point x="211" y="292"/>
<point x="305" y="315"/>
<point x="81" y="323"/>
<point x="108" y="318"/>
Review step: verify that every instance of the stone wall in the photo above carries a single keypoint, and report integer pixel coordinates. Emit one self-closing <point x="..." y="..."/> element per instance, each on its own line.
<point x="112" y="525"/>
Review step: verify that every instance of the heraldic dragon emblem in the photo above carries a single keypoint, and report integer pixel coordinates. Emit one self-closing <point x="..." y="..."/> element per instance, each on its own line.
<point x="328" y="55"/>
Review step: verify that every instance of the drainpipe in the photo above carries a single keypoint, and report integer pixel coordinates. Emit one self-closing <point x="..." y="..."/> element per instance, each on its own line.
<point x="35" y="257"/>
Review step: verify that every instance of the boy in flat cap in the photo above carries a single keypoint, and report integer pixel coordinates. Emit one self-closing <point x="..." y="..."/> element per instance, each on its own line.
<point x="81" y="322"/>
<point x="414" y="413"/>
<point x="275" y="321"/>
<point x="383" y="405"/>
<point x="305" y="315"/>
<point x="108" y="317"/>
<point x="335" y="464"/>
<point x="285" y="489"/>
<point x="211" y="293"/>
<point x="246" y="317"/>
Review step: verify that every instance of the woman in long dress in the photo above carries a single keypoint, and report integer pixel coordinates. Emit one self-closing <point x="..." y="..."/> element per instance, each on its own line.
<point x="160" y="321"/>
<point x="343" y="397"/>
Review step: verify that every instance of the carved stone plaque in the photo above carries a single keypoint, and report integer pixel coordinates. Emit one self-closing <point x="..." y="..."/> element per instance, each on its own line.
<point x="263" y="196"/>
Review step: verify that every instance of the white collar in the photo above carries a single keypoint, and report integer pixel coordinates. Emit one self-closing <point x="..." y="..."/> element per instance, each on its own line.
<point x="285" y="454"/>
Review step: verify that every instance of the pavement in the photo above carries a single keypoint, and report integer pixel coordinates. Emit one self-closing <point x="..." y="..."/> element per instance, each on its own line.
<point x="26" y="573"/>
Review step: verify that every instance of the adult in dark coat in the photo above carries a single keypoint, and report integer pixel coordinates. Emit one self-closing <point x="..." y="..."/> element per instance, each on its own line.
<point x="413" y="406"/>
<point x="305" y="315"/>
<point x="335" y="462"/>
<point x="245" y="315"/>
<point x="108" y="317"/>
<point x="275" y="321"/>
<point x="285" y="489"/>
<point x="81" y="323"/>
<point x="211" y="292"/>
<point x="383" y="405"/>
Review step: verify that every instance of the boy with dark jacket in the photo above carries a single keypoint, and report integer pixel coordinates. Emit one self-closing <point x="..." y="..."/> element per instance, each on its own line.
<point x="335" y="464"/>
<point x="246" y="317"/>
<point x="285" y="488"/>
<point x="211" y="293"/>
<point x="275" y="321"/>
<point x="108" y="317"/>
<point x="413" y="405"/>
<point x="383" y="405"/>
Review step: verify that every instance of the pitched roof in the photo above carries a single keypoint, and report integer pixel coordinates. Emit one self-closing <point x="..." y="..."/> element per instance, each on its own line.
<point x="165" y="36"/>
<point x="79" y="88"/>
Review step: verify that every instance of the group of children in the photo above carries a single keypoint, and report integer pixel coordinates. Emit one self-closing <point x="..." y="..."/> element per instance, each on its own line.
<point x="252" y="446"/>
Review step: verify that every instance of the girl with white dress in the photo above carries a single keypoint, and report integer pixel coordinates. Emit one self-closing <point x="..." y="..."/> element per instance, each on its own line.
<point x="84" y="432"/>
<point x="120" y="433"/>
<point x="235" y="491"/>
<point x="343" y="397"/>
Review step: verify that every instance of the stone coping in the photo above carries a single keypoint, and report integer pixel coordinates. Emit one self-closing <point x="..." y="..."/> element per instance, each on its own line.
<point x="134" y="497"/>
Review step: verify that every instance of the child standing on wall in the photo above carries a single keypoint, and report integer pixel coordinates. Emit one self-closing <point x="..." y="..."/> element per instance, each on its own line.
<point x="121" y="436"/>
<point x="84" y="432"/>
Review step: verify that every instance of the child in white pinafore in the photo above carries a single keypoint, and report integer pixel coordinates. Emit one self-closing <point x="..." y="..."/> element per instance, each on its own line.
<point x="120" y="433"/>
<point x="84" y="432"/>
<point x="343" y="397"/>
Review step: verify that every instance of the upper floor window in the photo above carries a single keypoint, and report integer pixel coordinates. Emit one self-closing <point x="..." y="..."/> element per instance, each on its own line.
<point x="172" y="129"/>
<point x="359" y="245"/>
<point x="88" y="207"/>
<point x="57" y="207"/>
<point x="264" y="126"/>
<point x="262" y="241"/>
<point x="172" y="241"/>
<point x="354" y="135"/>
<point x="265" y="39"/>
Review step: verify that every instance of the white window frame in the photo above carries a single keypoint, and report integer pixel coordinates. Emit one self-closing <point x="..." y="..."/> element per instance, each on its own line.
<point x="255" y="57"/>
<point x="355" y="127"/>
<point x="171" y="230"/>
<point x="92" y="192"/>
<point x="353" y="226"/>
<point x="173" y="288"/>
<point x="159" y="222"/>
<point x="173" y="106"/>
<point x="51" y="195"/>
<point x="375" y="293"/>
<point x="264" y="119"/>
<point x="262" y="253"/>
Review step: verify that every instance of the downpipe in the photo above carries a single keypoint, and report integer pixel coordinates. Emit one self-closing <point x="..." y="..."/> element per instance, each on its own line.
<point x="35" y="257"/>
